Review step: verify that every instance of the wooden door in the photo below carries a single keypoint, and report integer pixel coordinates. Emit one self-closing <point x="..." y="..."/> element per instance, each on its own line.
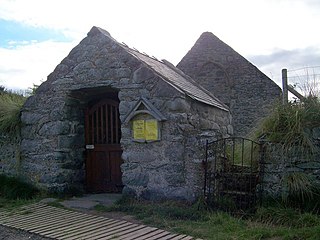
<point x="103" y="158"/>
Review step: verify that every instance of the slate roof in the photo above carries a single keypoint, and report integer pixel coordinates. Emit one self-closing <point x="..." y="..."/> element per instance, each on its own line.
<point x="180" y="81"/>
<point x="174" y="76"/>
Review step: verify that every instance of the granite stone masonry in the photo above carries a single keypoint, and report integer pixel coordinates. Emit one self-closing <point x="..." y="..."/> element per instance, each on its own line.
<point x="279" y="163"/>
<point x="164" y="117"/>
<point x="9" y="155"/>
<point x="234" y="80"/>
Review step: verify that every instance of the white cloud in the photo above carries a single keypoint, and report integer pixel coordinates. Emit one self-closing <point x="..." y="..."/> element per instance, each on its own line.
<point x="24" y="65"/>
<point x="167" y="29"/>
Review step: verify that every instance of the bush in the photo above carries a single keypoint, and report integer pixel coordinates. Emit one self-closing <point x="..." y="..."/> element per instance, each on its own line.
<point x="14" y="188"/>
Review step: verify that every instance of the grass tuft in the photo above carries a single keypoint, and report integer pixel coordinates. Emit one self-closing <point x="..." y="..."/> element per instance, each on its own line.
<point x="289" y="217"/>
<point x="10" y="106"/>
<point x="291" y="124"/>
<point x="14" y="188"/>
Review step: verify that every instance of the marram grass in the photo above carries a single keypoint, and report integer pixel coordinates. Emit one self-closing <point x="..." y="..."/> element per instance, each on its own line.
<point x="291" y="124"/>
<point x="10" y="107"/>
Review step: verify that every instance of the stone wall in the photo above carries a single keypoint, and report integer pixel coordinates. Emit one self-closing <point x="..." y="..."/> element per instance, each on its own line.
<point x="9" y="155"/>
<point x="172" y="167"/>
<point x="233" y="79"/>
<point x="53" y="145"/>
<point x="278" y="163"/>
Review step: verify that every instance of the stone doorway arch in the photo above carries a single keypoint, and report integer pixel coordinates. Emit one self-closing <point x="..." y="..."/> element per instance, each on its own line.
<point x="102" y="133"/>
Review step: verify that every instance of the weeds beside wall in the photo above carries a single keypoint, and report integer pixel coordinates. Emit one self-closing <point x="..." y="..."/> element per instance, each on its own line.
<point x="292" y="154"/>
<point x="10" y="125"/>
<point x="290" y="172"/>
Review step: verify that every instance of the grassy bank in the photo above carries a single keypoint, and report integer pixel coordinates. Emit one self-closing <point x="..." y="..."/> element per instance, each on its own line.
<point x="268" y="223"/>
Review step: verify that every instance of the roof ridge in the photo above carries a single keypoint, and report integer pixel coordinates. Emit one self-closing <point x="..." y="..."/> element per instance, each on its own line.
<point x="176" y="78"/>
<point x="190" y="79"/>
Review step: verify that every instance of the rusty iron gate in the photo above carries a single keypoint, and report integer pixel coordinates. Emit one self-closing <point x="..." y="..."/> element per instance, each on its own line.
<point x="233" y="171"/>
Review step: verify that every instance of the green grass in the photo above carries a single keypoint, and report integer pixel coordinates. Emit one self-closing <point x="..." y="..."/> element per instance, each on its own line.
<point x="100" y="208"/>
<point x="268" y="223"/>
<point x="244" y="153"/>
<point x="15" y="204"/>
<point x="13" y="188"/>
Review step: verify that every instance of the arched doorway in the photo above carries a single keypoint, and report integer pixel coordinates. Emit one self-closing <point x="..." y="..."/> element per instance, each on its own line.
<point x="103" y="149"/>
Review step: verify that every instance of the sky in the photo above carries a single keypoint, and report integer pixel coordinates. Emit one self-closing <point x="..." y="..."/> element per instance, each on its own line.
<point x="36" y="35"/>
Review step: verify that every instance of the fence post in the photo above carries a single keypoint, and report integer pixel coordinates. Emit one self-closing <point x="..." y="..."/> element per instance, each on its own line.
<point x="284" y="86"/>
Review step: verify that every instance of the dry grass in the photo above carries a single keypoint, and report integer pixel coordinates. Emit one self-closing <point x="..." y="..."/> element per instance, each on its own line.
<point x="10" y="107"/>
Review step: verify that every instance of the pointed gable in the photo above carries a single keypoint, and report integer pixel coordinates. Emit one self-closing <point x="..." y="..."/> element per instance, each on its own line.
<point x="231" y="78"/>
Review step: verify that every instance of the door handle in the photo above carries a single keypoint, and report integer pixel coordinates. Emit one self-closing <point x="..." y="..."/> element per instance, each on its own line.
<point x="90" y="147"/>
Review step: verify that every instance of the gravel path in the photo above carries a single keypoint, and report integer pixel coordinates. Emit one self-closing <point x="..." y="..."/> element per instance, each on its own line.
<point x="13" y="234"/>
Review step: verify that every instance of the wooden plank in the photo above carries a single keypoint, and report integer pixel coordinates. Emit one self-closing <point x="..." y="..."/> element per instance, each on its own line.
<point x="158" y="236"/>
<point x="89" y="226"/>
<point x="117" y="124"/>
<point x="97" y="125"/>
<point x="151" y="234"/>
<point x="35" y="220"/>
<point x="32" y="224"/>
<point x="107" y="124"/>
<point x="111" y="228"/>
<point x="85" y="227"/>
<point x="169" y="237"/>
<point x="62" y="222"/>
<point x="179" y="237"/>
<point x="119" y="235"/>
<point x="187" y="238"/>
<point x="62" y="226"/>
<point x="134" y="234"/>
<point x="68" y="232"/>
<point x="101" y="124"/>
<point x="91" y="129"/>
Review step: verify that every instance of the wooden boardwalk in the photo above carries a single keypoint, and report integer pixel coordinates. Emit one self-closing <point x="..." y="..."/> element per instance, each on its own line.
<point x="57" y="223"/>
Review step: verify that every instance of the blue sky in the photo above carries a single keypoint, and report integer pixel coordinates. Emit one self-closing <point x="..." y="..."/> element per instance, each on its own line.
<point x="16" y="33"/>
<point x="272" y="34"/>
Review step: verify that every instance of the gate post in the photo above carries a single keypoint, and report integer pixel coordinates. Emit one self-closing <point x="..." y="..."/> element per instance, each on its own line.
<point x="261" y="170"/>
<point x="205" y="165"/>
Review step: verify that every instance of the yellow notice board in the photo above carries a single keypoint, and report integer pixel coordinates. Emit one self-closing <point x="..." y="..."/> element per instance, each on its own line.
<point x="145" y="130"/>
<point x="151" y="130"/>
<point x="139" y="130"/>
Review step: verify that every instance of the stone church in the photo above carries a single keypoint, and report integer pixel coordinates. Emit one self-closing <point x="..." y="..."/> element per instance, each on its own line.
<point x="111" y="119"/>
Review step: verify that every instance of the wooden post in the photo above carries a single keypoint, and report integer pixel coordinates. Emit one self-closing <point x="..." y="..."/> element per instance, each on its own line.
<point x="284" y="86"/>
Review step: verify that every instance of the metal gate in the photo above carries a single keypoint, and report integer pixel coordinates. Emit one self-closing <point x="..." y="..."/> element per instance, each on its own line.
<point x="232" y="174"/>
